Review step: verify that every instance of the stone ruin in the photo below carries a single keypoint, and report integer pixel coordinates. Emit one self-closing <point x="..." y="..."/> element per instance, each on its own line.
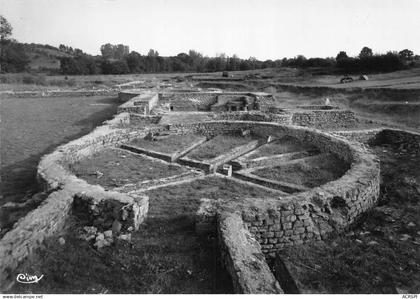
<point x="249" y="230"/>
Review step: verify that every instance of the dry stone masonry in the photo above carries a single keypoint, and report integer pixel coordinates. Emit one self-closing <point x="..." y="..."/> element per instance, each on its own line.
<point x="249" y="229"/>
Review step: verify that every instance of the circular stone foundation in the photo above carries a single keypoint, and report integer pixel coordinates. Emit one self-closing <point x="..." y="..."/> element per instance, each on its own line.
<point x="320" y="183"/>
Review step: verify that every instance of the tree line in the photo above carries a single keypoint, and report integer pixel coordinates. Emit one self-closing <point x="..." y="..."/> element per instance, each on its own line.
<point x="117" y="59"/>
<point x="365" y="62"/>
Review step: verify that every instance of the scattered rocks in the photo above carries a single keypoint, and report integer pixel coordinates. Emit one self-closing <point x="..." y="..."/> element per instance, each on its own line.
<point x="104" y="239"/>
<point x="126" y="237"/>
<point x="89" y="233"/>
<point x="100" y="237"/>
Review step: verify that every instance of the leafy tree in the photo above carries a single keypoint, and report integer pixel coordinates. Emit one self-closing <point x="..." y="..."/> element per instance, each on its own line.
<point x="79" y="65"/>
<point x="120" y="51"/>
<point x="13" y="57"/>
<point x="341" y="55"/>
<point x="406" y="54"/>
<point x="5" y="28"/>
<point x="12" y="54"/>
<point x="152" y="53"/>
<point x="197" y="60"/>
<point x="366" y="52"/>
<point x="114" y="67"/>
<point x="5" y="32"/>
<point x="107" y="51"/>
<point x="135" y="62"/>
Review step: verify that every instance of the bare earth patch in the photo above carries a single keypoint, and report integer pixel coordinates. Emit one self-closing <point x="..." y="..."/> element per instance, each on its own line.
<point x="283" y="145"/>
<point x="185" y="198"/>
<point x="311" y="173"/>
<point x="114" y="168"/>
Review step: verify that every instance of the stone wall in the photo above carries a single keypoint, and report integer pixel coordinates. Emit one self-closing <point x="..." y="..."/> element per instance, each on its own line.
<point x="363" y="136"/>
<point x="140" y="104"/>
<point x="324" y="119"/>
<point x="233" y="153"/>
<point x="202" y="101"/>
<point x="49" y="218"/>
<point x="311" y="215"/>
<point x="203" y="165"/>
<point x="30" y="231"/>
<point x="147" y="152"/>
<point x="324" y="141"/>
<point x="282" y="118"/>
<point x="138" y="119"/>
<point x="404" y="139"/>
<point x="273" y="222"/>
<point x="190" y="101"/>
<point x="295" y="219"/>
<point x="125" y="96"/>
<point x="242" y="258"/>
<point x="181" y="153"/>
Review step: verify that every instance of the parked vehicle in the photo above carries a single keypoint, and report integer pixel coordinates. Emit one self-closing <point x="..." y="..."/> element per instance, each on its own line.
<point x="346" y="79"/>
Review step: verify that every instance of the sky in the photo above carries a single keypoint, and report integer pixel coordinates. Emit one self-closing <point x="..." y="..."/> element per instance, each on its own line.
<point x="265" y="29"/>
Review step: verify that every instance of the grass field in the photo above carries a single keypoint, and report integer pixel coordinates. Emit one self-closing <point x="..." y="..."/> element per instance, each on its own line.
<point x="218" y="146"/>
<point x="166" y="256"/>
<point x="311" y="173"/>
<point x="120" y="167"/>
<point x="32" y="127"/>
<point x="168" y="145"/>
<point x="283" y="145"/>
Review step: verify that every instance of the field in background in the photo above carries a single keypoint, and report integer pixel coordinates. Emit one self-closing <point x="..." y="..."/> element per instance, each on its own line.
<point x="32" y="127"/>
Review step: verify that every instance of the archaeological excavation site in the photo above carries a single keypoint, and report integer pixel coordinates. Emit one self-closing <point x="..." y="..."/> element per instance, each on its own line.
<point x="222" y="189"/>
